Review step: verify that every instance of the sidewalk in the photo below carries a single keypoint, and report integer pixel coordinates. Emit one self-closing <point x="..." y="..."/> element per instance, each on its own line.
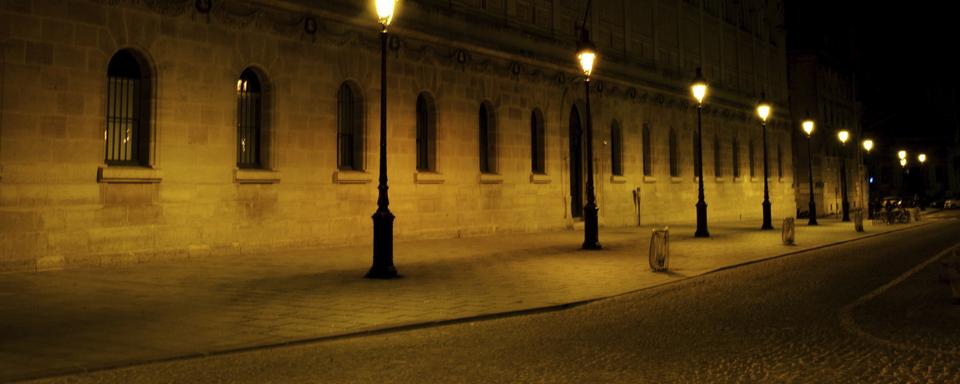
<point x="70" y="321"/>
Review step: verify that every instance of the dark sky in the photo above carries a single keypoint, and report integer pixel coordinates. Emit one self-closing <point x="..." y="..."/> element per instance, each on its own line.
<point x="902" y="57"/>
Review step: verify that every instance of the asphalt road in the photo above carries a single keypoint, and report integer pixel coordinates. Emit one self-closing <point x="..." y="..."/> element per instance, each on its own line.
<point x="774" y="321"/>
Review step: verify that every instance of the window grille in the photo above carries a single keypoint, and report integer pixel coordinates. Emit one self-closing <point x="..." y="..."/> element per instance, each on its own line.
<point x="426" y="134"/>
<point x="125" y="135"/>
<point x="249" y="120"/>
<point x="537" y="143"/>
<point x="349" y="128"/>
<point x="674" y="156"/>
<point x="647" y="151"/>
<point x="616" y="149"/>
<point x="488" y="140"/>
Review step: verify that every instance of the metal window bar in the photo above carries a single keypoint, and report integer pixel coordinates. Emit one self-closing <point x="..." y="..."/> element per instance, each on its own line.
<point x="616" y="150"/>
<point x="537" y="143"/>
<point x="484" y="140"/>
<point x="123" y="120"/>
<point x="249" y="112"/>
<point x="423" y="155"/>
<point x="647" y="154"/>
<point x="674" y="161"/>
<point x="345" y="129"/>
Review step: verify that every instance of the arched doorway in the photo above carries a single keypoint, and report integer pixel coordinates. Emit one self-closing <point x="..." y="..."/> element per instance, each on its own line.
<point x="576" y="164"/>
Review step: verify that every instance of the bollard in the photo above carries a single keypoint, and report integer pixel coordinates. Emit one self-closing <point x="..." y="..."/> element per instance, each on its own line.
<point x="787" y="232"/>
<point x="660" y="250"/>
<point x="858" y="221"/>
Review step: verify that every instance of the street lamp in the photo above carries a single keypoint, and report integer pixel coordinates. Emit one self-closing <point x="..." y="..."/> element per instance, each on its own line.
<point x="902" y="155"/>
<point x="922" y="158"/>
<point x="699" y="89"/>
<point x="808" y="128"/>
<point x="868" y="146"/>
<point x="763" y="110"/>
<point x="383" y="267"/>
<point x="587" y="56"/>
<point x="843" y="135"/>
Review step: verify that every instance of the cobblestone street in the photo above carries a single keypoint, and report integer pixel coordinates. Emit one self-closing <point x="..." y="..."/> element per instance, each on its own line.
<point x="768" y="321"/>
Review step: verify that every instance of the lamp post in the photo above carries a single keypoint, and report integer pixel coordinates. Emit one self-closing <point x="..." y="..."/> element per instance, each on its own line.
<point x="808" y="129"/>
<point x="867" y="146"/>
<point x="763" y="110"/>
<point x="843" y="135"/>
<point x="586" y="56"/>
<point x="699" y="89"/>
<point x="922" y="158"/>
<point x="383" y="267"/>
<point x="903" y="175"/>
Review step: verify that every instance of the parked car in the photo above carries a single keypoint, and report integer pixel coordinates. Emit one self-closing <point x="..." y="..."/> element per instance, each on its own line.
<point x="953" y="203"/>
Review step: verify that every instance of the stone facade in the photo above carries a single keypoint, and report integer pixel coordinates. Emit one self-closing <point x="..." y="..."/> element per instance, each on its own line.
<point x="824" y="92"/>
<point x="62" y="206"/>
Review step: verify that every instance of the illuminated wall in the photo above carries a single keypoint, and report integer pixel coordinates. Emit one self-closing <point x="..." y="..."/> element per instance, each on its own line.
<point x="62" y="205"/>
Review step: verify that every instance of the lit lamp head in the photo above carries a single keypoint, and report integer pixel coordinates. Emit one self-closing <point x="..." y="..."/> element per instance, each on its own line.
<point x="902" y="155"/>
<point x="699" y="86"/>
<point x="843" y="135"/>
<point x="922" y="158"/>
<point x="763" y="108"/>
<point x="385" y="10"/>
<point x="807" y="127"/>
<point x="586" y="53"/>
<point x="868" y="145"/>
<point x="903" y="162"/>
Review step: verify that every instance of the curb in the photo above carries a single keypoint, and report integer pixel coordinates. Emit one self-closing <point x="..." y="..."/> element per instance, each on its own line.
<point x="373" y="331"/>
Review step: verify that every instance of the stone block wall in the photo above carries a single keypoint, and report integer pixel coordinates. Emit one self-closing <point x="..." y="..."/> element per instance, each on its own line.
<point x="61" y="206"/>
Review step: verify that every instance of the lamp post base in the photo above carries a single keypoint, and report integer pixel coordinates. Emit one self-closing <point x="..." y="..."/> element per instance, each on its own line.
<point x="813" y="214"/>
<point x="701" y="220"/>
<point x="591" y="235"/>
<point x="766" y="217"/>
<point x="383" y="267"/>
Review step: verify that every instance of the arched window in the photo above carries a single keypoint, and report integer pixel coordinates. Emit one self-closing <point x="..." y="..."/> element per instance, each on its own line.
<point x="717" y="160"/>
<point x="127" y="132"/>
<point x="350" y="140"/>
<point x="537" y="143"/>
<point x="616" y="149"/>
<point x="249" y="120"/>
<point x="647" y="151"/>
<point x="674" y="156"/>
<point x="488" y="139"/>
<point x="736" y="158"/>
<point x="426" y="133"/>
<point x="753" y="159"/>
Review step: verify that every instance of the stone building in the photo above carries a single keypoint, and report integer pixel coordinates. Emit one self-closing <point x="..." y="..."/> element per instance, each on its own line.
<point x="133" y="130"/>
<point x="821" y="89"/>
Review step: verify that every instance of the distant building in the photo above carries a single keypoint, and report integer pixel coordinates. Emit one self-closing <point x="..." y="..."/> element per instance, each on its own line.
<point x="140" y="130"/>
<point x="822" y="89"/>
